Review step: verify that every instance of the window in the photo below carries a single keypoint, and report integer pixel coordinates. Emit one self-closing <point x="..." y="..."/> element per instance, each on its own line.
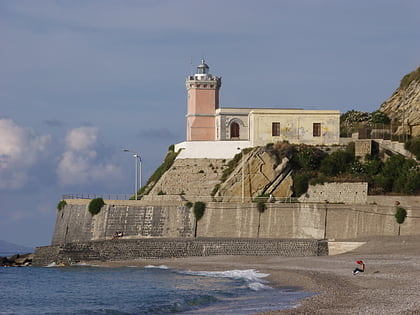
<point x="234" y="130"/>
<point x="317" y="129"/>
<point x="275" y="129"/>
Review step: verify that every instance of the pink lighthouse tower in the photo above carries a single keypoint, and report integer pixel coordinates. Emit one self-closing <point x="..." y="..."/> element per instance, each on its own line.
<point x="203" y="100"/>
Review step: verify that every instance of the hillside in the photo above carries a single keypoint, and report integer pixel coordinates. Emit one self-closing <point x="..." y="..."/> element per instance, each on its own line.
<point x="8" y="249"/>
<point x="403" y="106"/>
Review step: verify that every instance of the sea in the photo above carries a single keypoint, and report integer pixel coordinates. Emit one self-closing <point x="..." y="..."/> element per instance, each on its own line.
<point x="85" y="289"/>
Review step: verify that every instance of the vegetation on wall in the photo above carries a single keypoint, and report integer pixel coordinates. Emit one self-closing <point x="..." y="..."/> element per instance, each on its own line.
<point x="400" y="215"/>
<point x="395" y="175"/>
<point x="353" y="120"/>
<point x="95" y="205"/>
<point x="166" y="165"/>
<point x="199" y="208"/>
<point x="233" y="163"/>
<point x="61" y="205"/>
<point x="413" y="145"/>
<point x="261" y="206"/>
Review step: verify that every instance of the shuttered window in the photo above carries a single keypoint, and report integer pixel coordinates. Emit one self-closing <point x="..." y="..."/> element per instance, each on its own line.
<point x="317" y="129"/>
<point x="275" y="129"/>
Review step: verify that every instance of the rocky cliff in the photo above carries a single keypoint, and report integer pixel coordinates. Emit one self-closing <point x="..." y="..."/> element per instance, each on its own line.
<point x="403" y="107"/>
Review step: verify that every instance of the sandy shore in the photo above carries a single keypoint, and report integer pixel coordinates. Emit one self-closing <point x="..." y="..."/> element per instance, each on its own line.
<point x="390" y="285"/>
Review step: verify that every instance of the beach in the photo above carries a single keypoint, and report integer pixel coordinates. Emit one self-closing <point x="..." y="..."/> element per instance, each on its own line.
<point x="390" y="284"/>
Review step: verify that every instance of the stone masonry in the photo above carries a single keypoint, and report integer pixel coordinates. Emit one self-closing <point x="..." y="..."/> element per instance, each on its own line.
<point x="121" y="249"/>
<point x="191" y="178"/>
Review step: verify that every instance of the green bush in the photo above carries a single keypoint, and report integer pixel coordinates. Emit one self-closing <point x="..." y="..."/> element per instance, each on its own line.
<point x="379" y="117"/>
<point x="400" y="215"/>
<point x="171" y="148"/>
<point x="336" y="163"/>
<point x="61" y="205"/>
<point x="188" y="204"/>
<point x="308" y="158"/>
<point x="95" y="205"/>
<point x="300" y="184"/>
<point x="413" y="145"/>
<point x="261" y="206"/>
<point x="167" y="163"/>
<point x="199" y="208"/>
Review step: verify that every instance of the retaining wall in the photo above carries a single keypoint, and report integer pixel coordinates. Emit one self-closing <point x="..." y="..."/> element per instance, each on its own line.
<point x="138" y="219"/>
<point x="123" y="249"/>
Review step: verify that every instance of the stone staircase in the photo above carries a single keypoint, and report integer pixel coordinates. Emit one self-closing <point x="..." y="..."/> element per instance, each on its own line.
<point x="188" y="179"/>
<point x="395" y="147"/>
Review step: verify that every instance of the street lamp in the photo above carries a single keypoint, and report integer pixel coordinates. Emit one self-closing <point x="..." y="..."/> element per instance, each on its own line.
<point x="137" y="162"/>
<point x="243" y="176"/>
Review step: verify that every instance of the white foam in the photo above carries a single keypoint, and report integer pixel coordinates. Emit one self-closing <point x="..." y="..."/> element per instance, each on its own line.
<point x="252" y="277"/>
<point x="53" y="264"/>
<point x="156" y="267"/>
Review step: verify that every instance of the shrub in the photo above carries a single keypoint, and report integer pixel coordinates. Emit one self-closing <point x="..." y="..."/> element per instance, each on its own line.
<point x="379" y="117"/>
<point x="336" y="163"/>
<point x="171" y="148"/>
<point x="300" y="184"/>
<point x="188" y="204"/>
<point x="261" y="206"/>
<point x="413" y="145"/>
<point x="308" y="158"/>
<point x="199" y="208"/>
<point x="400" y="215"/>
<point x="61" y="205"/>
<point x="408" y="78"/>
<point x="95" y="205"/>
<point x="167" y="163"/>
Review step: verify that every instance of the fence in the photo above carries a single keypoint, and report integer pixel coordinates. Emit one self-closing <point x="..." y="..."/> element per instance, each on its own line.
<point x="181" y="197"/>
<point x="103" y="196"/>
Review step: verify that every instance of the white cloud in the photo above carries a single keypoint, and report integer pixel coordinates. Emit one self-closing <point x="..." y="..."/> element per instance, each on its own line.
<point x="81" y="138"/>
<point x="20" y="150"/>
<point x="80" y="164"/>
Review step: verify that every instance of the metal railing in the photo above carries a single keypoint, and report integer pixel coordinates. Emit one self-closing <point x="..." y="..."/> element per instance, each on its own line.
<point x="93" y="196"/>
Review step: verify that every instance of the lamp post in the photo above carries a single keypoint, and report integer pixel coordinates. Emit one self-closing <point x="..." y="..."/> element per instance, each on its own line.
<point x="243" y="176"/>
<point x="137" y="167"/>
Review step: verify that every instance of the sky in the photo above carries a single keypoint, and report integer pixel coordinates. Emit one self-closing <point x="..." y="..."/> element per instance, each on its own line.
<point x="82" y="80"/>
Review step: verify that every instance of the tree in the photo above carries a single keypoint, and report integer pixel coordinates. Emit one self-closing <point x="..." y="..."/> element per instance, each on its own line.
<point x="400" y="215"/>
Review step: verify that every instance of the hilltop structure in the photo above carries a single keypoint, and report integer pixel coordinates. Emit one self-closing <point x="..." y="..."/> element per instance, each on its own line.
<point x="216" y="132"/>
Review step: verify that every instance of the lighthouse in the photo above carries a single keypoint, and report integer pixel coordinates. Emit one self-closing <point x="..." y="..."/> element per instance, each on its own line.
<point x="202" y="102"/>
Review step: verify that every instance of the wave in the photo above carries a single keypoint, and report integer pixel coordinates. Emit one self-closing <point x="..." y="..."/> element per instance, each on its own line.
<point x="252" y="278"/>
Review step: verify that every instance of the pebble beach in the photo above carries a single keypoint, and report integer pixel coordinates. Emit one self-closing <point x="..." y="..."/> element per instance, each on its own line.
<point x="390" y="284"/>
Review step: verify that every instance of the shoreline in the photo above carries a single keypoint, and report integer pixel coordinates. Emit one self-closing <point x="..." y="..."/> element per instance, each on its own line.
<point x="390" y="284"/>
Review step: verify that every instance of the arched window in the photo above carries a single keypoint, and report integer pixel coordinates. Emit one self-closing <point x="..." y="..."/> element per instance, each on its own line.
<point x="234" y="130"/>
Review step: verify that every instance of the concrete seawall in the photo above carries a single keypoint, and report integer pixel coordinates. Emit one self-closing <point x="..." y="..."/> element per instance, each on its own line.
<point x="140" y="219"/>
<point x="168" y="228"/>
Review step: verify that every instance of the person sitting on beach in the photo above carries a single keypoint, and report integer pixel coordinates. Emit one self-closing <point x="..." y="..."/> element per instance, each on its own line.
<point x="361" y="269"/>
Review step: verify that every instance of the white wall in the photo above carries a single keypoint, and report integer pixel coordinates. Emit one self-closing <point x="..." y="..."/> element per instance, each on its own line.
<point x="210" y="149"/>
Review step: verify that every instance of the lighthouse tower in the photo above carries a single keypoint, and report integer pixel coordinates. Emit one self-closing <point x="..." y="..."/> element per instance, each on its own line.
<point x="203" y="100"/>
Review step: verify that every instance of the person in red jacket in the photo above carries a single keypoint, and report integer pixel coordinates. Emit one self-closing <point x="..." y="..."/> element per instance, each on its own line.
<point x="361" y="267"/>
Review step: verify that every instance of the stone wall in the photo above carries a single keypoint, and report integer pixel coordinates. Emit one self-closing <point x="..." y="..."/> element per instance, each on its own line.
<point x="136" y="219"/>
<point x="121" y="249"/>
<point x="349" y="193"/>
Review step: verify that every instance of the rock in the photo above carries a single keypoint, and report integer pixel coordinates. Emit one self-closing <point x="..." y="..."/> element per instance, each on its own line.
<point x="17" y="260"/>
<point x="404" y="104"/>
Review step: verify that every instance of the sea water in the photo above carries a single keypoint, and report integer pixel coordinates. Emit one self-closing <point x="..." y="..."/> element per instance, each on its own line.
<point x="136" y="290"/>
